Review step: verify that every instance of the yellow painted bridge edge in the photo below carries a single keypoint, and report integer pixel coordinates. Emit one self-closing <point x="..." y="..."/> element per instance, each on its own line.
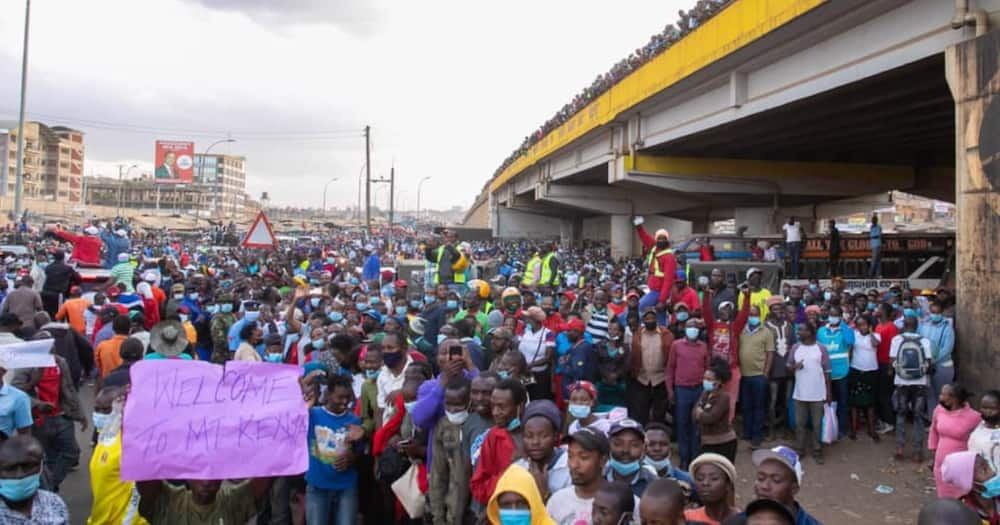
<point x="739" y="24"/>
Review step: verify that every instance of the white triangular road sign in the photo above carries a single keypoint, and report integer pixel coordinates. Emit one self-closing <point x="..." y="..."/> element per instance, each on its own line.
<point x="260" y="234"/>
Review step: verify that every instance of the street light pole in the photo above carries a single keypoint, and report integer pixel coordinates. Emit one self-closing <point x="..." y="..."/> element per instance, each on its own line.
<point x="121" y="185"/>
<point x="19" y="177"/>
<point x="201" y="172"/>
<point x="419" y="186"/>
<point x="335" y="179"/>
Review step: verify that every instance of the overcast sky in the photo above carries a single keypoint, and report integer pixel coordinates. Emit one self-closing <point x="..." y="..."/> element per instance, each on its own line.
<point x="450" y="88"/>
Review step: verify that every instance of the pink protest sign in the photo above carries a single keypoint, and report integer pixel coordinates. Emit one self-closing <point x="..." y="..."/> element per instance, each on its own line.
<point x="194" y="420"/>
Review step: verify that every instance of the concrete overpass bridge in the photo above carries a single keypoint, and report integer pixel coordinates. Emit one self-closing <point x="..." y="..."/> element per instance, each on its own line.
<point x="812" y="108"/>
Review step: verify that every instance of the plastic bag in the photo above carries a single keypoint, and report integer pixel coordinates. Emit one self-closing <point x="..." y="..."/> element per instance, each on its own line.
<point x="829" y="431"/>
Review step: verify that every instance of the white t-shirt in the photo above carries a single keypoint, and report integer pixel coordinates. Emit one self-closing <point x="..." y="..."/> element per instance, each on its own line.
<point x="864" y="357"/>
<point x="810" y="382"/>
<point x="894" y="351"/>
<point x="793" y="232"/>
<point x="533" y="344"/>
<point x="387" y="384"/>
<point x="566" y="508"/>
<point x="985" y="441"/>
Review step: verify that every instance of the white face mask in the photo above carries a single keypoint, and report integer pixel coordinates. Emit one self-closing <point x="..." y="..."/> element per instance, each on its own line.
<point x="457" y="418"/>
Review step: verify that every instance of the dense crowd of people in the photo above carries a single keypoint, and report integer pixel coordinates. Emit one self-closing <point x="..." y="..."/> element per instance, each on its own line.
<point x="568" y="388"/>
<point x="687" y="21"/>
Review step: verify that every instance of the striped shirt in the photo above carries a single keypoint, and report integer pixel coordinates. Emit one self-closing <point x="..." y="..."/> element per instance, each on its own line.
<point x="123" y="273"/>
<point x="597" y="325"/>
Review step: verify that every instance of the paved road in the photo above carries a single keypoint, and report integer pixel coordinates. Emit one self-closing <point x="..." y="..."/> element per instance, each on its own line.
<point x="75" y="490"/>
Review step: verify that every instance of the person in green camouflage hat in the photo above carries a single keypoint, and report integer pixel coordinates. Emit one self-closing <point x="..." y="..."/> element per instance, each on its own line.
<point x="221" y="323"/>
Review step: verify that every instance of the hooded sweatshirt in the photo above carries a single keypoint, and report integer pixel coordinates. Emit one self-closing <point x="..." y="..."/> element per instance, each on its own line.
<point x="518" y="480"/>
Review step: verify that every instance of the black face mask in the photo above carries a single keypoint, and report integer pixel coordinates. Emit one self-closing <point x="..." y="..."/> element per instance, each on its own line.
<point x="661" y="244"/>
<point x="650" y="325"/>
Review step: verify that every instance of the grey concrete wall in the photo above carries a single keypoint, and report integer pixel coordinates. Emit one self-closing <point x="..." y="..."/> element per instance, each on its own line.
<point x="510" y="223"/>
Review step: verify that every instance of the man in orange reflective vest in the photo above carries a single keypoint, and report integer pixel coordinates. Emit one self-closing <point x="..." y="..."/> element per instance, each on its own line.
<point x="662" y="265"/>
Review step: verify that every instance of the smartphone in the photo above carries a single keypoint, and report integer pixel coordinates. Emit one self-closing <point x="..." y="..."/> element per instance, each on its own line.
<point x="455" y="352"/>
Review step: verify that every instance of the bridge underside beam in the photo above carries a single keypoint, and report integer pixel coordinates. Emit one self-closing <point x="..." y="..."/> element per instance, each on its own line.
<point x="609" y="200"/>
<point x="738" y="176"/>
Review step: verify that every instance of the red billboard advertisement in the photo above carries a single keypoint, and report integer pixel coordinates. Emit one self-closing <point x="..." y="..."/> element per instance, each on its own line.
<point x="174" y="162"/>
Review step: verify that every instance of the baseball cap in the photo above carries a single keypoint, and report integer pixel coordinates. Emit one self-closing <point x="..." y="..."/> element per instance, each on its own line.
<point x="400" y="283"/>
<point x="752" y="271"/>
<point x="590" y="439"/>
<point x="575" y="325"/>
<point x="631" y="295"/>
<point x="113" y="291"/>
<point x="782" y="454"/>
<point x="544" y="408"/>
<point x="626" y="424"/>
<point x="763" y="504"/>
<point x="569" y="295"/>
<point x="586" y="386"/>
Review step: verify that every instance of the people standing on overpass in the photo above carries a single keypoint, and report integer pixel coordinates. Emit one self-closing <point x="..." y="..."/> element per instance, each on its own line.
<point x="662" y="267"/>
<point x="793" y="245"/>
<point x="833" y="246"/>
<point x="875" y="235"/>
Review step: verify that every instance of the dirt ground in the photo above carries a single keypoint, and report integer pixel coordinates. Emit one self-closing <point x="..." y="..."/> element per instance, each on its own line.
<point x="842" y="490"/>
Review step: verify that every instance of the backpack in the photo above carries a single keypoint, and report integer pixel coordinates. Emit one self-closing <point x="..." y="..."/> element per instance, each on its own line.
<point x="909" y="363"/>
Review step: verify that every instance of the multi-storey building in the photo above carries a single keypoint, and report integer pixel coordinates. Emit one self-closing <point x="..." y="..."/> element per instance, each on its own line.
<point x="53" y="161"/>
<point x="224" y="178"/>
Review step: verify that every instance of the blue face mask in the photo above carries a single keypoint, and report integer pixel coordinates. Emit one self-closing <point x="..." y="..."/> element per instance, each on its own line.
<point x="991" y="487"/>
<point x="100" y="420"/>
<point x="314" y="302"/>
<point x="251" y="317"/>
<point x="409" y="406"/>
<point x="20" y="489"/>
<point x="613" y="352"/>
<point x="371" y="374"/>
<point x="503" y="374"/>
<point x="910" y="312"/>
<point x="937" y="318"/>
<point x="415" y="304"/>
<point x="871" y="307"/>
<point x="451" y="304"/>
<point x="707" y="385"/>
<point x="373" y="301"/>
<point x="354" y="281"/>
<point x="682" y="316"/>
<point x="659" y="464"/>
<point x="834" y="320"/>
<point x="361" y="306"/>
<point x="624" y="469"/>
<point x="514" y="424"/>
<point x="226" y="308"/>
<point x="400" y="310"/>
<point x="213" y="308"/>
<point x="429" y="299"/>
<point x="827" y="296"/>
<point x="292" y="338"/>
<point x="579" y="411"/>
<point x="753" y="320"/>
<point x="692" y="332"/>
<point x="335" y="316"/>
<point x="515" y="517"/>
<point x="273" y="358"/>
<point x="318" y="344"/>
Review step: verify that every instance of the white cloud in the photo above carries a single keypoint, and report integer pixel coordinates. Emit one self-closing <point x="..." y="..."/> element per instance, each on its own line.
<point x="449" y="87"/>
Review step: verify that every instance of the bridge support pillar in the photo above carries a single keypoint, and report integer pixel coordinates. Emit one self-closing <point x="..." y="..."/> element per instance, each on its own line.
<point x="570" y="231"/>
<point x="973" y="72"/>
<point x="756" y="220"/>
<point x="622" y="236"/>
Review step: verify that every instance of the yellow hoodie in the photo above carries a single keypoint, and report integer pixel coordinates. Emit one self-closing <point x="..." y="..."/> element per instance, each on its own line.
<point x="519" y="481"/>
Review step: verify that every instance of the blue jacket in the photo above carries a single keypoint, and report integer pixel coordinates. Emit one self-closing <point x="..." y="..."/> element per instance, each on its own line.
<point x="114" y="245"/>
<point x="371" y="269"/>
<point x="942" y="338"/>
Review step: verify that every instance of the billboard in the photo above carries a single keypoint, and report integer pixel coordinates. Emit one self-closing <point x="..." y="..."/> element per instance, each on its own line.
<point x="174" y="162"/>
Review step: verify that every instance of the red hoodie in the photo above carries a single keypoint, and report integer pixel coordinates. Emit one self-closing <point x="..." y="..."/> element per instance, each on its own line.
<point x="496" y="454"/>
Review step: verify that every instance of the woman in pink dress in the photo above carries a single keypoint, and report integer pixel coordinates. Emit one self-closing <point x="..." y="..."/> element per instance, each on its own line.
<point x="951" y="424"/>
